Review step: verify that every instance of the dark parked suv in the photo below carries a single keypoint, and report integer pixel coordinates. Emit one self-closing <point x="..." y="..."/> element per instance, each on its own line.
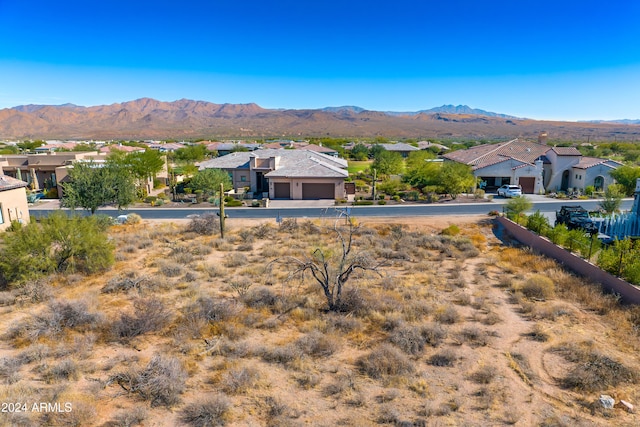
<point x="576" y="217"/>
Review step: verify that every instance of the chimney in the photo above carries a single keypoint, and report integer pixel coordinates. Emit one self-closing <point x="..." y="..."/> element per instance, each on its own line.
<point x="542" y="138"/>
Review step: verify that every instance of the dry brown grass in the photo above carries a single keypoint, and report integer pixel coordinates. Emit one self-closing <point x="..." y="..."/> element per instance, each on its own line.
<point x="457" y="329"/>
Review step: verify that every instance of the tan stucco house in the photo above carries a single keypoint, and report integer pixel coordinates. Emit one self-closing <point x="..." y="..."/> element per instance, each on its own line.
<point x="284" y="174"/>
<point x="13" y="202"/>
<point x="535" y="167"/>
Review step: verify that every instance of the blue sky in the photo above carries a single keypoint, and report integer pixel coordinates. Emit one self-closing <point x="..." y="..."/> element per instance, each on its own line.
<point x="560" y="59"/>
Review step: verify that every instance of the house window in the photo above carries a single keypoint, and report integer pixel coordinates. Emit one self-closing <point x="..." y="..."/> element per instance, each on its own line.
<point x="243" y="178"/>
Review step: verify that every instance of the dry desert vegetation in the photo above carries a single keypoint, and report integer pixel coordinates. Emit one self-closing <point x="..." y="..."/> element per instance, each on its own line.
<point x="446" y="327"/>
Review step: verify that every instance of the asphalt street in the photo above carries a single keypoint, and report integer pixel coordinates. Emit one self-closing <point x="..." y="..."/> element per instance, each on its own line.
<point x="298" y="210"/>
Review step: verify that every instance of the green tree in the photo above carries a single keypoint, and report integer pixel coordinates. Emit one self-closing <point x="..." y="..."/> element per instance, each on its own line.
<point x="57" y="244"/>
<point x="420" y="171"/>
<point x="190" y="153"/>
<point x="360" y="152"/>
<point x="30" y="145"/>
<point x="455" y="178"/>
<point x="516" y="206"/>
<point x="93" y="185"/>
<point x="208" y="181"/>
<point x="612" y="198"/>
<point x="626" y="176"/>
<point x="388" y="163"/>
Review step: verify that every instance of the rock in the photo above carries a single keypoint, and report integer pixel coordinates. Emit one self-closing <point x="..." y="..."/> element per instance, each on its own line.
<point x="607" y="401"/>
<point x="623" y="404"/>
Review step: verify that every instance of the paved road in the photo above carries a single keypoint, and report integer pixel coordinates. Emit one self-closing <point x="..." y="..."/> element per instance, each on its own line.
<point x="546" y="206"/>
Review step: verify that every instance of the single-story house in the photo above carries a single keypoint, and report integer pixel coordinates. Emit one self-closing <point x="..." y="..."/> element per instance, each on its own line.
<point x="535" y="167"/>
<point x="284" y="174"/>
<point x="13" y="201"/>
<point x="224" y="148"/>
<point x="400" y="147"/>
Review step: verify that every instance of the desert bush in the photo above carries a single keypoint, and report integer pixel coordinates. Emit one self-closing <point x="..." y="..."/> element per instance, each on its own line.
<point x="161" y="382"/>
<point x="483" y="375"/>
<point x="384" y="360"/>
<point x="445" y="357"/>
<point x="317" y="344"/>
<point x="289" y="225"/>
<point x="235" y="260"/>
<point x="60" y="315"/>
<point x="259" y="297"/>
<point x="129" y="418"/>
<point x="124" y="282"/>
<point x="34" y="291"/>
<point x="283" y="354"/>
<point x="203" y="224"/>
<point x="538" y="286"/>
<point x="447" y="315"/>
<point x="170" y="269"/>
<point x="212" y="310"/>
<point x="212" y="411"/>
<point x="239" y="380"/>
<point x="452" y="230"/>
<point x="412" y="339"/>
<point x="149" y="315"/>
<point x="598" y="372"/>
<point x="473" y="336"/>
<point x="133" y="218"/>
<point x="66" y="369"/>
<point x="9" y="369"/>
<point x="264" y="231"/>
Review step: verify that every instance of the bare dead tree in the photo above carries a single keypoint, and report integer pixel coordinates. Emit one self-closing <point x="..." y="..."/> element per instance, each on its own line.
<point x="333" y="272"/>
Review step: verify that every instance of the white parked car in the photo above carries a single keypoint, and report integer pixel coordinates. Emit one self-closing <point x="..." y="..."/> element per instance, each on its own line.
<point x="510" y="191"/>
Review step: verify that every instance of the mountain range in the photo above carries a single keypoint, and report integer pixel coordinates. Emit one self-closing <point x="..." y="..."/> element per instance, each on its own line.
<point x="148" y="118"/>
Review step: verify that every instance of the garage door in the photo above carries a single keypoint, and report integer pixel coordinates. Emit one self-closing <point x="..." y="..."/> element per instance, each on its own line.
<point x="318" y="191"/>
<point x="527" y="184"/>
<point x="282" y="190"/>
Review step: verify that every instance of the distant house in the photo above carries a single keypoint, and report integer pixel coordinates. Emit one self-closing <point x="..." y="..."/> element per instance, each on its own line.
<point x="400" y="147"/>
<point x="119" y="147"/>
<point x="168" y="147"/>
<point x="42" y="171"/>
<point x="56" y="146"/>
<point x="428" y="145"/>
<point x="224" y="148"/>
<point x="535" y="167"/>
<point x="13" y="201"/>
<point x="284" y="174"/>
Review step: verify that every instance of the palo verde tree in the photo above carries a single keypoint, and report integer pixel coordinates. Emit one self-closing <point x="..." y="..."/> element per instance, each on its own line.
<point x="57" y="244"/>
<point x="331" y="268"/>
<point x="92" y="185"/>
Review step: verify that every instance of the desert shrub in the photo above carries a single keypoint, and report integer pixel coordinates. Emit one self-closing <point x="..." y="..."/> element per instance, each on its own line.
<point x="263" y="231"/>
<point x="538" y="333"/>
<point x="170" y="269"/>
<point x="289" y="225"/>
<point x="161" y="382"/>
<point x="452" y="230"/>
<point x="211" y="310"/>
<point x="412" y="339"/>
<point x="283" y="354"/>
<point x="384" y="360"/>
<point x="133" y="218"/>
<point x="317" y="344"/>
<point x="149" y="315"/>
<point x="9" y="369"/>
<point x="598" y="372"/>
<point x="129" y="418"/>
<point x="203" y="224"/>
<point x="59" y="316"/>
<point x="260" y="296"/>
<point x="538" y="286"/>
<point x="66" y="369"/>
<point x="239" y="380"/>
<point x="38" y="290"/>
<point x="235" y="260"/>
<point x="445" y="357"/>
<point x="447" y="315"/>
<point x="473" y="336"/>
<point x="212" y="411"/>
<point x="124" y="282"/>
<point x="483" y="375"/>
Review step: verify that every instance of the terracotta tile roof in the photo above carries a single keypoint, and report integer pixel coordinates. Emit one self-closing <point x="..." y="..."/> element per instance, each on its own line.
<point x="8" y="183"/>
<point x="491" y="154"/>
